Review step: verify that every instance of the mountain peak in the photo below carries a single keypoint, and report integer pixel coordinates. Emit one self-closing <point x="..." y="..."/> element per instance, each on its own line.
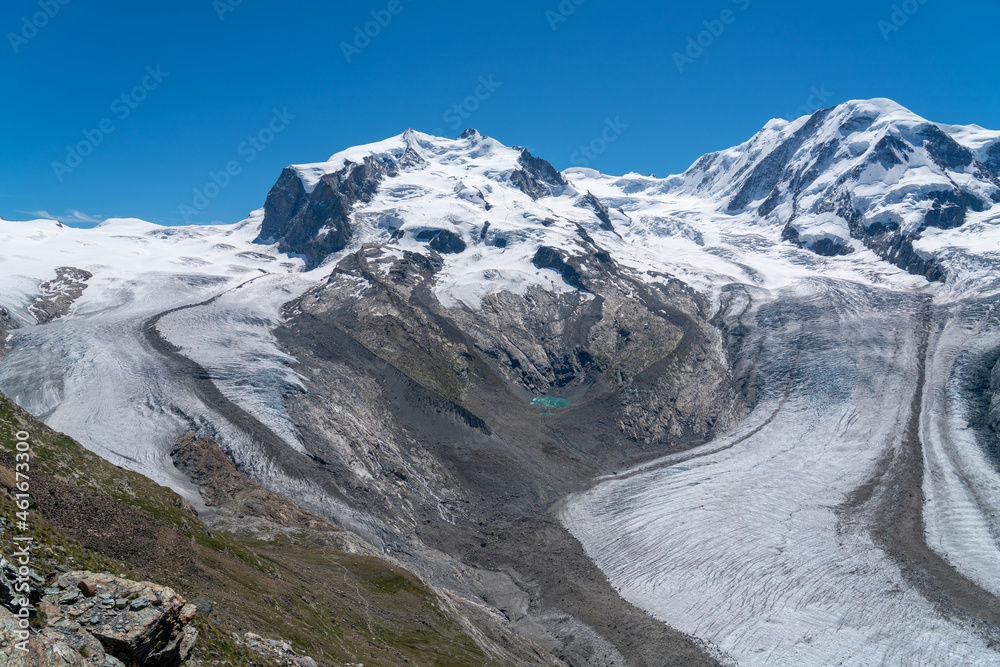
<point x="879" y="105"/>
<point x="866" y="173"/>
<point x="428" y="188"/>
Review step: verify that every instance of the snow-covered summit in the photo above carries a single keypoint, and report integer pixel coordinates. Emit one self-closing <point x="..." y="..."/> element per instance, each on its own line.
<point x="488" y="206"/>
<point x="868" y="177"/>
<point x="865" y="188"/>
<point x="865" y="173"/>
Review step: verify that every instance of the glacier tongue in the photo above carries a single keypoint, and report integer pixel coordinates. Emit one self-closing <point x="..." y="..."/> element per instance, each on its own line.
<point x="91" y="373"/>
<point x="767" y="542"/>
<point x="233" y="334"/>
<point x="961" y="487"/>
<point x="93" y="378"/>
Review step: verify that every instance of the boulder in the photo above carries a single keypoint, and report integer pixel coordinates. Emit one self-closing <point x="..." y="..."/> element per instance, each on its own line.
<point x="204" y="607"/>
<point x="60" y="644"/>
<point x="188" y="612"/>
<point x="275" y="651"/>
<point x="134" y="622"/>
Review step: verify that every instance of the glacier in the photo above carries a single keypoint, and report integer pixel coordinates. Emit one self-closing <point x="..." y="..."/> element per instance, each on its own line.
<point x="775" y="543"/>
<point x="757" y="543"/>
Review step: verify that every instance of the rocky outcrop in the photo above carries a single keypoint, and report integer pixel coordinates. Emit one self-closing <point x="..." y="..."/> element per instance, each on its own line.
<point x="442" y="241"/>
<point x="825" y="247"/>
<point x="536" y="177"/>
<point x="58" y="296"/>
<point x="295" y="217"/>
<point x="276" y="652"/>
<point x="89" y="618"/>
<point x="562" y="263"/>
<point x="6" y="325"/>
<point x="891" y="244"/>
<point x="231" y="494"/>
<point x="584" y="266"/>
<point x="13" y="594"/>
<point x="993" y="158"/>
<point x="589" y="201"/>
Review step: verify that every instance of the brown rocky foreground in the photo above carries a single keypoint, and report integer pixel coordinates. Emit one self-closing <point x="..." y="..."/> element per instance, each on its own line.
<point x="102" y="619"/>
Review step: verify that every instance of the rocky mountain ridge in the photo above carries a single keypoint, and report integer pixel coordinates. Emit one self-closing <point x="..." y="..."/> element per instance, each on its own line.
<point x="870" y="171"/>
<point x="866" y="174"/>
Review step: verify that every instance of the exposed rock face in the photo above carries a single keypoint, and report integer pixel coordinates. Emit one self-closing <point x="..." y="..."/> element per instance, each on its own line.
<point x="825" y="247"/>
<point x="602" y="212"/>
<point x="6" y="325"/>
<point x="101" y="619"/>
<point x="993" y="158"/>
<point x="442" y="240"/>
<point x="51" y="648"/>
<point x="537" y="178"/>
<point x="11" y="591"/>
<point x="422" y="378"/>
<point x="58" y="295"/>
<point x="276" y="652"/>
<point x="295" y="217"/>
<point x="581" y="267"/>
<point x="816" y="178"/>
<point x="557" y="260"/>
<point x="232" y="494"/>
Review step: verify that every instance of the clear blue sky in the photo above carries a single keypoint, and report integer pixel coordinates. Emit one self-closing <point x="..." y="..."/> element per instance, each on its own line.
<point x="559" y="81"/>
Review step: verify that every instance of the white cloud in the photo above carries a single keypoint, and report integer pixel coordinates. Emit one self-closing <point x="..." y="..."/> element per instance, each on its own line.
<point x="73" y="216"/>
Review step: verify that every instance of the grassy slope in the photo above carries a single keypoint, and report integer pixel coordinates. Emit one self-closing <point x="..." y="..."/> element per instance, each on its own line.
<point x="334" y="606"/>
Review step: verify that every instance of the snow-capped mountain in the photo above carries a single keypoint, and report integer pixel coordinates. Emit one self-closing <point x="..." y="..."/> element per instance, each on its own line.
<point x="435" y="342"/>
<point x="866" y="174"/>
<point x="984" y="144"/>
<point x="492" y="207"/>
<point x="871" y="171"/>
